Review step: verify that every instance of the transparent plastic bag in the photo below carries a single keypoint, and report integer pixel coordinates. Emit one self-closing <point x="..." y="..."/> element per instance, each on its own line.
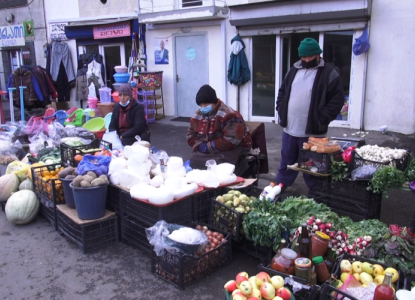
<point x="161" y="237"/>
<point x="97" y="164"/>
<point x="160" y="158"/>
<point x="19" y="168"/>
<point x="363" y="172"/>
<point x="113" y="138"/>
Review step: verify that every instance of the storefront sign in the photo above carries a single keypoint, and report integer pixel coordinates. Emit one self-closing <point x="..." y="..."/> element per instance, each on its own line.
<point x="12" y="36"/>
<point x="112" y="30"/>
<point x="57" y="31"/>
<point x="29" y="31"/>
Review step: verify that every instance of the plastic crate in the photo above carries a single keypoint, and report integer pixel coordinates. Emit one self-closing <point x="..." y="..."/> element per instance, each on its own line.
<point x="52" y="188"/>
<point x="357" y="161"/>
<point x="406" y="282"/>
<point x="202" y="203"/>
<point x="263" y="253"/>
<point x="328" y="292"/>
<point x="88" y="235"/>
<point x="177" y="212"/>
<point x="133" y="233"/>
<point x="183" y="270"/>
<point x="226" y="219"/>
<point x="48" y="209"/>
<point x="320" y="161"/>
<point x="3" y="205"/>
<point x="148" y="104"/>
<point x="68" y="152"/>
<point x="114" y="199"/>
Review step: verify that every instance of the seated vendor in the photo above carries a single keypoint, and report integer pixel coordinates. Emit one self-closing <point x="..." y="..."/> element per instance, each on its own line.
<point x="129" y="118"/>
<point x="217" y="129"/>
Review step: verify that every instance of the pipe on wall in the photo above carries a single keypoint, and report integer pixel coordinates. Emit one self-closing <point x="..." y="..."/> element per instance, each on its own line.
<point x="225" y="81"/>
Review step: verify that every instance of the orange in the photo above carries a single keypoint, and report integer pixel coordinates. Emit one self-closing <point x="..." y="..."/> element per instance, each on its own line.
<point x="78" y="157"/>
<point x="46" y="173"/>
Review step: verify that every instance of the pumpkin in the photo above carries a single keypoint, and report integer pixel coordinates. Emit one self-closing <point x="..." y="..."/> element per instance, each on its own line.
<point x="26" y="185"/>
<point x="22" y="207"/>
<point x="8" y="185"/>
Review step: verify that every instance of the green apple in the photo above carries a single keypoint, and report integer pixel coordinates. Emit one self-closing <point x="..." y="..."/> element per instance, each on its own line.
<point x="365" y="278"/>
<point x="367" y="267"/>
<point x="357" y="267"/>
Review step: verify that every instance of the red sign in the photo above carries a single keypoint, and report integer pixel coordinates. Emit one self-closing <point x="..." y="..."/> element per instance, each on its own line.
<point x="112" y="30"/>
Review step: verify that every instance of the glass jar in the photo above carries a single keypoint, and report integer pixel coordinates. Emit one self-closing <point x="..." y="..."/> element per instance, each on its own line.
<point x="319" y="243"/>
<point x="303" y="269"/>
<point x="321" y="269"/>
<point x="284" y="261"/>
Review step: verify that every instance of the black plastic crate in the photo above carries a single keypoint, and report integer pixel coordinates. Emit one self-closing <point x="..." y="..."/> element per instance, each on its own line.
<point x="183" y="270"/>
<point x="357" y="161"/>
<point x="114" y="199"/>
<point x="90" y="235"/>
<point x="329" y="292"/>
<point x="48" y="209"/>
<point x="346" y="142"/>
<point x="226" y="219"/>
<point x="133" y="233"/>
<point x="321" y="162"/>
<point x="3" y="205"/>
<point x="202" y="203"/>
<point x="406" y="282"/>
<point x="50" y="189"/>
<point x="177" y="212"/>
<point x="355" y="191"/>
<point x="68" y="152"/>
<point x="263" y="253"/>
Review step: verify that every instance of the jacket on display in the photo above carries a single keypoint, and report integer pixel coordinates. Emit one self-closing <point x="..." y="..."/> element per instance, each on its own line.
<point x="238" y="70"/>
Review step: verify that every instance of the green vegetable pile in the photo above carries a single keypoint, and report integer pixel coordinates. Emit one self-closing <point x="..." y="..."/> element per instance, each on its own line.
<point x="47" y="156"/>
<point x="338" y="169"/>
<point x="386" y="178"/>
<point x="410" y="171"/>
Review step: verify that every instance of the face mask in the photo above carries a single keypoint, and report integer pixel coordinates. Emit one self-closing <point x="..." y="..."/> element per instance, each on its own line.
<point x="205" y="110"/>
<point x="311" y="64"/>
<point x="126" y="103"/>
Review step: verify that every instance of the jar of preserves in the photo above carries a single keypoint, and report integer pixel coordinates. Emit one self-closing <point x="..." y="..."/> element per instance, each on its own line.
<point x="303" y="269"/>
<point x="284" y="261"/>
<point x="321" y="269"/>
<point x="319" y="243"/>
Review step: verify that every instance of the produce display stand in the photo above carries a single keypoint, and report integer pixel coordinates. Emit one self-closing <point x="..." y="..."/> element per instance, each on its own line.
<point x="88" y="235"/>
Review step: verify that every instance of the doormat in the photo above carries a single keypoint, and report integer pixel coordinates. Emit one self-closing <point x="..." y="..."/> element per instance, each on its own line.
<point x="181" y="119"/>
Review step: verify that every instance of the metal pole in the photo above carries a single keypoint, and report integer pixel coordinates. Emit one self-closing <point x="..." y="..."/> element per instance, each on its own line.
<point x="2" y="93"/>
<point x="11" y="103"/>
<point x="21" y="103"/>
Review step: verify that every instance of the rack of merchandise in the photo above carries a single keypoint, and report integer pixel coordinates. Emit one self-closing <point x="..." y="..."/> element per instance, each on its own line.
<point x="151" y="85"/>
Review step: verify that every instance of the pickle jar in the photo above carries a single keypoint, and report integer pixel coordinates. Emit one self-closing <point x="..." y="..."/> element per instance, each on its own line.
<point x="284" y="261"/>
<point x="319" y="243"/>
<point x="303" y="269"/>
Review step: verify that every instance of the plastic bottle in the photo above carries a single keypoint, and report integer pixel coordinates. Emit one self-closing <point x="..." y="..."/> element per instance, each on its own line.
<point x="305" y="242"/>
<point x="266" y="191"/>
<point x="384" y="291"/>
<point x="276" y="190"/>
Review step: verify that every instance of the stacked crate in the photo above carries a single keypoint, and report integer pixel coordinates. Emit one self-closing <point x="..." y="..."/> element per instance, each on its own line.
<point x="146" y="98"/>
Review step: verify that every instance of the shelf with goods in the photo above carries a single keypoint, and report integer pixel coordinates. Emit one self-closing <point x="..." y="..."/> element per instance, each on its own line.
<point x="149" y="87"/>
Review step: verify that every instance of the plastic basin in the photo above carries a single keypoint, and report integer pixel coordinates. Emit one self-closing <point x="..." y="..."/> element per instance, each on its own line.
<point x="107" y="119"/>
<point x="90" y="202"/>
<point x="95" y="124"/>
<point x="115" y="96"/>
<point x="120" y="69"/>
<point x="121" y="77"/>
<point x="99" y="134"/>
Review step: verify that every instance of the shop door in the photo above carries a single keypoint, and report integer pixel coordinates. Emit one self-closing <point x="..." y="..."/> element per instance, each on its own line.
<point x="113" y="55"/>
<point x="191" y="71"/>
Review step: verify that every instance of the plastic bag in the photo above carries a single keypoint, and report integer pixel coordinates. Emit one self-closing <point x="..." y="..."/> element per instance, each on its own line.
<point x="347" y="154"/>
<point x="355" y="289"/>
<point x="19" y="168"/>
<point x="158" y="236"/>
<point x="5" y="142"/>
<point x="114" y="139"/>
<point x="97" y="164"/>
<point x="362" y="43"/>
<point x="363" y="172"/>
<point x="36" y="125"/>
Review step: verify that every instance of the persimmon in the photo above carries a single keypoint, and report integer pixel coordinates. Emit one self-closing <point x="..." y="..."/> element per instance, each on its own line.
<point x="78" y="157"/>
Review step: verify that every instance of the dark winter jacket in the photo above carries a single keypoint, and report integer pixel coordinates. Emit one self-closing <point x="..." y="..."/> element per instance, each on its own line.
<point x="327" y="99"/>
<point x="238" y="70"/>
<point x="23" y="77"/>
<point x="136" y="118"/>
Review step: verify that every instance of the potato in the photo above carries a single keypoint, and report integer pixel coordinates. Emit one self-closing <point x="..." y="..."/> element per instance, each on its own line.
<point x="92" y="174"/>
<point x="70" y="177"/>
<point x="77" y="181"/>
<point x="104" y="177"/>
<point x="85" y="184"/>
<point x="98" y="181"/>
<point x="88" y="178"/>
<point x="65" y="172"/>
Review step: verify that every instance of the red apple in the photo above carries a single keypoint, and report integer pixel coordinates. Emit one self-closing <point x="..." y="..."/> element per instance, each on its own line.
<point x="284" y="293"/>
<point x="239" y="297"/>
<point x="240" y="279"/>
<point x="253" y="298"/>
<point x="267" y="291"/>
<point x="261" y="278"/>
<point x="235" y="292"/>
<point x="230" y="286"/>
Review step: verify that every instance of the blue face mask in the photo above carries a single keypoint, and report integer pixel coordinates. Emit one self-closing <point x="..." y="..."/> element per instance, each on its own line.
<point x="205" y="110"/>
<point x="126" y="103"/>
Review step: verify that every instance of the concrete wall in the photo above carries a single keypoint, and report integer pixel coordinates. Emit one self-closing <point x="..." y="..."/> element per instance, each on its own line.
<point x="390" y="92"/>
<point x="92" y="8"/>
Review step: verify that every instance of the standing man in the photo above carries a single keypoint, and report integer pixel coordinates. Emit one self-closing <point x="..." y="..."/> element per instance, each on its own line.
<point x="310" y="97"/>
<point x="164" y="53"/>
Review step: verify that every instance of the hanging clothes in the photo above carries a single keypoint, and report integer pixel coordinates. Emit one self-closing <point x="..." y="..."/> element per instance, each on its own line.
<point x="94" y="68"/>
<point x="48" y="81"/>
<point x="238" y="70"/>
<point x="81" y="85"/>
<point x="61" y="56"/>
<point x="23" y="77"/>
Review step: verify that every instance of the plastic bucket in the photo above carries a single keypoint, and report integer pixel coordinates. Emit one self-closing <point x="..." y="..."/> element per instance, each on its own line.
<point x="90" y="202"/>
<point x="92" y="102"/>
<point x="67" y="192"/>
<point x="105" y="108"/>
<point x="105" y="95"/>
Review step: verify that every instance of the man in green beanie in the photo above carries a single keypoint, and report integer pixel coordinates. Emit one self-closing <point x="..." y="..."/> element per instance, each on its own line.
<point x="310" y="97"/>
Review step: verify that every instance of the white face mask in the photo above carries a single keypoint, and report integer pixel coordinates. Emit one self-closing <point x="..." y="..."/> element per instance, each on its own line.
<point x="126" y="103"/>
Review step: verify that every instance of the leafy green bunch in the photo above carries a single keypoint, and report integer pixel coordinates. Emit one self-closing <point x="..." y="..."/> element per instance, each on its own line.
<point x="338" y="169"/>
<point x="410" y="171"/>
<point x="386" y="178"/>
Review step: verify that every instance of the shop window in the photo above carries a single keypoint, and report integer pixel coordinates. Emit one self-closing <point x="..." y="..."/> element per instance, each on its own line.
<point x="190" y="3"/>
<point x="12" y="3"/>
<point x="337" y="51"/>
<point x="16" y="59"/>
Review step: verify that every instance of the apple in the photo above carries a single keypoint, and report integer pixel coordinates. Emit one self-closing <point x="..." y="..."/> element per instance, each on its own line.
<point x="344" y="276"/>
<point x="367" y="267"/>
<point x="239" y="297"/>
<point x="357" y="267"/>
<point x="240" y="279"/>
<point x="245" y="287"/>
<point x="378" y="270"/>
<point x="366" y="278"/>
<point x="252" y="280"/>
<point x="243" y="274"/>
<point x="277" y="298"/>
<point x="345" y="266"/>
<point x="253" y="298"/>
<point x="284" y="293"/>
<point x="357" y="276"/>
<point x="256" y="293"/>
<point x="277" y="282"/>
<point x="267" y="291"/>
<point x="379" y="279"/>
<point x="261" y="278"/>
<point x="395" y="273"/>
<point x="230" y="286"/>
<point x="237" y="291"/>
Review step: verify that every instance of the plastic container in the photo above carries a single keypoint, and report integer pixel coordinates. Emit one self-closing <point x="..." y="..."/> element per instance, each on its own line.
<point x="303" y="268"/>
<point x="115" y="96"/>
<point x="67" y="191"/>
<point x="92" y="102"/>
<point x="319" y="243"/>
<point x="99" y="133"/>
<point x="266" y="193"/>
<point x="284" y="262"/>
<point x="133" y="232"/>
<point x="105" y="108"/>
<point x="95" y="124"/>
<point x="68" y="152"/>
<point x="90" y="202"/>
<point x="120" y="69"/>
<point x="105" y="95"/>
<point x="121" y="77"/>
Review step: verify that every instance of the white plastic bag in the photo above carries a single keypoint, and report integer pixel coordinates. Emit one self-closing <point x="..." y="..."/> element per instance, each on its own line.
<point x="140" y="168"/>
<point x="137" y="152"/>
<point x="129" y="178"/>
<point x="161" y="195"/>
<point x="142" y="191"/>
<point x="117" y="164"/>
<point x="114" y="139"/>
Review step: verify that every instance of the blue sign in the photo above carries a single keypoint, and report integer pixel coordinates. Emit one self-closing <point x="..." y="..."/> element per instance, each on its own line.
<point x="191" y="53"/>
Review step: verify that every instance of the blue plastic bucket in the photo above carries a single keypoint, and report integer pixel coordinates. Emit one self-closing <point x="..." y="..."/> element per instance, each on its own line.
<point x="90" y="202"/>
<point x="67" y="192"/>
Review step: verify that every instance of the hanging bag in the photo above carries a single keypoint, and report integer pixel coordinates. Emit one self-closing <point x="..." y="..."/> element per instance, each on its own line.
<point x="362" y="43"/>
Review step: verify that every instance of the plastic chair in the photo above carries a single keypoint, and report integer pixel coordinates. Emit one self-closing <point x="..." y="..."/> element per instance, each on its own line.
<point x="75" y="118"/>
<point x="49" y="115"/>
<point x="60" y="116"/>
<point x="71" y="116"/>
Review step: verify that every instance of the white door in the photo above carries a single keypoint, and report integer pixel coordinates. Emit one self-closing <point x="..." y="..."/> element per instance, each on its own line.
<point x="191" y="71"/>
<point x="113" y="55"/>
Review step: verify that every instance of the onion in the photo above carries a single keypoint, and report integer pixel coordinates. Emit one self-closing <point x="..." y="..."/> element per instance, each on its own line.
<point x="215" y="241"/>
<point x="208" y="232"/>
<point x="215" y="234"/>
<point x="220" y="237"/>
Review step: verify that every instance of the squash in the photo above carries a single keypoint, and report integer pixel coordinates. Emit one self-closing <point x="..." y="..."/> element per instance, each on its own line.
<point x="22" y="207"/>
<point x="8" y="185"/>
<point x="26" y="185"/>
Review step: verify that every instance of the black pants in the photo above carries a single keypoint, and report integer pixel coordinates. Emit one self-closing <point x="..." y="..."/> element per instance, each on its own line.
<point x="145" y="136"/>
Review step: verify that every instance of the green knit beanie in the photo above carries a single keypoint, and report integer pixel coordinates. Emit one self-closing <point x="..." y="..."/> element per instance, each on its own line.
<point x="309" y="47"/>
